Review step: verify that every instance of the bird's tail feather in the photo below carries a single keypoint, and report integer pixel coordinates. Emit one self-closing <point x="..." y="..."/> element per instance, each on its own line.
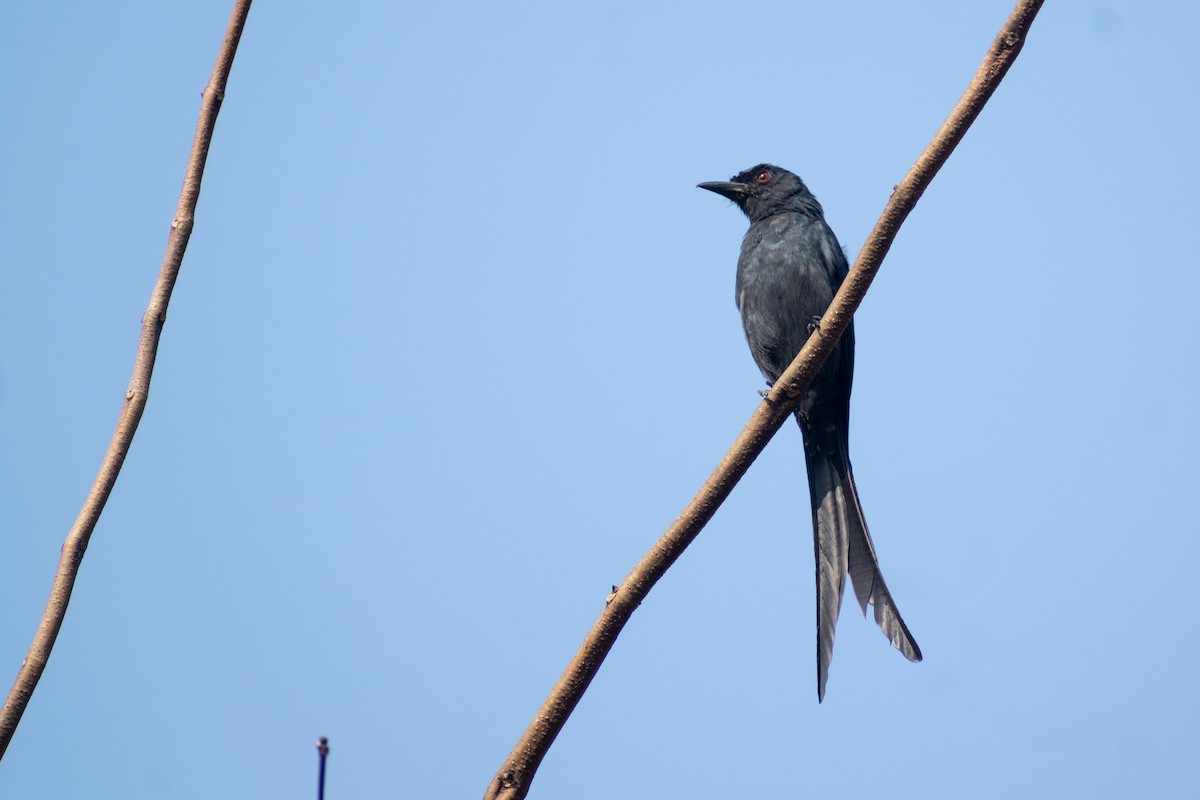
<point x="869" y="586"/>
<point x="843" y="546"/>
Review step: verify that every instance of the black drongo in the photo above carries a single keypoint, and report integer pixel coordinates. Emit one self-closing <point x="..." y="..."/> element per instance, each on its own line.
<point x="790" y="267"/>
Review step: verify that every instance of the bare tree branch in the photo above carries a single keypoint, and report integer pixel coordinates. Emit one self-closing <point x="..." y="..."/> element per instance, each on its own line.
<point x="135" y="396"/>
<point x="513" y="780"/>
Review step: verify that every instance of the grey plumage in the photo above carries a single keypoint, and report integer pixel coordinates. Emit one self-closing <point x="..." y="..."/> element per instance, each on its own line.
<point x="789" y="269"/>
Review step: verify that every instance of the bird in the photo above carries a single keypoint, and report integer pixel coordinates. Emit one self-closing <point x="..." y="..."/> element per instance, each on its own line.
<point x="790" y="266"/>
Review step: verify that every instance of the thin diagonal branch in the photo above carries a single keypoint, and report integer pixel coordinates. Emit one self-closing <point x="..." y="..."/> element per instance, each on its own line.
<point x="135" y="396"/>
<point x="513" y="780"/>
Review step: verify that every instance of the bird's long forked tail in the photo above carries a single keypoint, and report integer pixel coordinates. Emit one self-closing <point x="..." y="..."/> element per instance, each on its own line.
<point x="843" y="547"/>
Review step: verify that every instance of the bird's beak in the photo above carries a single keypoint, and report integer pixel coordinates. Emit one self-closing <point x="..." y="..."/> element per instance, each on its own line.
<point x="737" y="192"/>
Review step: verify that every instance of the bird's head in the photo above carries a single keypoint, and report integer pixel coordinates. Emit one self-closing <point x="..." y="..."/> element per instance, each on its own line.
<point x="766" y="190"/>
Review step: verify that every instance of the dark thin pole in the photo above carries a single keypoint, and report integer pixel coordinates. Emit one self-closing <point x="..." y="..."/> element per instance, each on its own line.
<point x="322" y="753"/>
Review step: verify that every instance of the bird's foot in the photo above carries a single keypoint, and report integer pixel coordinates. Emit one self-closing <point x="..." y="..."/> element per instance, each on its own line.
<point x="814" y="324"/>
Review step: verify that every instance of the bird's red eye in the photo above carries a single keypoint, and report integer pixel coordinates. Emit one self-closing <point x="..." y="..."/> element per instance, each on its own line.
<point x="763" y="176"/>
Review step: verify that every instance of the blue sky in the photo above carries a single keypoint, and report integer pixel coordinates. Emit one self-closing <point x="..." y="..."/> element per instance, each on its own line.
<point x="455" y="340"/>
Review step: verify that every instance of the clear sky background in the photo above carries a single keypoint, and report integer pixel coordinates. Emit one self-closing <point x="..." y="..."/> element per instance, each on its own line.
<point x="455" y="340"/>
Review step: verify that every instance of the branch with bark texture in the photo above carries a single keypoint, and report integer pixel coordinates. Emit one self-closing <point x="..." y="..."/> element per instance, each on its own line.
<point x="513" y="780"/>
<point x="135" y="396"/>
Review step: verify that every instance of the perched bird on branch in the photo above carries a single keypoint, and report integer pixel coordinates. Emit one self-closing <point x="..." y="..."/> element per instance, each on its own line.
<point x="789" y="269"/>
